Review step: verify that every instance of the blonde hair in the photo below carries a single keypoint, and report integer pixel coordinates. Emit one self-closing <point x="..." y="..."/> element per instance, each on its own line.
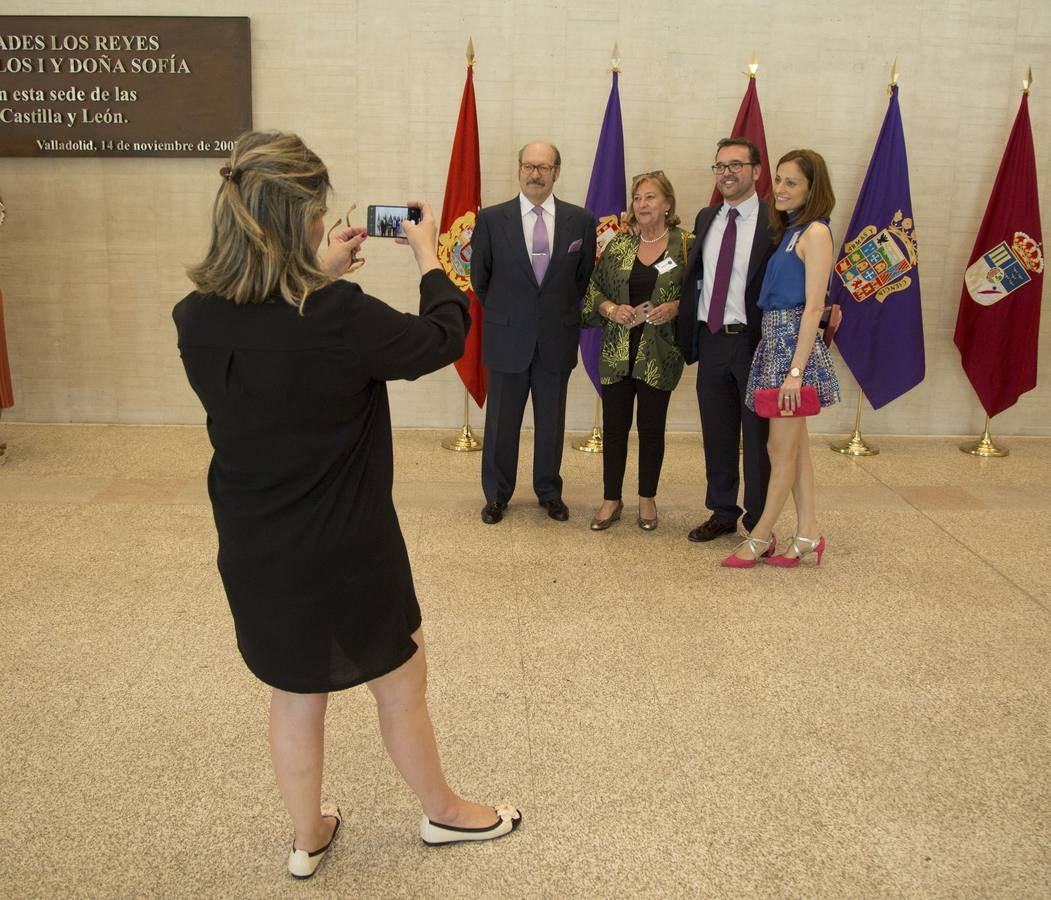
<point x="661" y="180"/>
<point x="272" y="191"/>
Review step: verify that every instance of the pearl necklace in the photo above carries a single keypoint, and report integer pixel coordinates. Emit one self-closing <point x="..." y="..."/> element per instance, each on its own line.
<point x="660" y="237"/>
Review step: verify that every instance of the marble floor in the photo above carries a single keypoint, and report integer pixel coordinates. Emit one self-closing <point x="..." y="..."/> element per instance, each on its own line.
<point x="878" y="726"/>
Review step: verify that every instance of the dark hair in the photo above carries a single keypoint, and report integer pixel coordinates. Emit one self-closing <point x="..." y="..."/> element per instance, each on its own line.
<point x="820" y="200"/>
<point x="271" y="191"/>
<point x="753" y="150"/>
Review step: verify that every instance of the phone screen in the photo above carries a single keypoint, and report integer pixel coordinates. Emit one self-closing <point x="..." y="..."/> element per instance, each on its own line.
<point x="385" y="220"/>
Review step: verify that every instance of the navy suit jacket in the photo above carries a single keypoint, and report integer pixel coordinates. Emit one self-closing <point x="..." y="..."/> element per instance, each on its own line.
<point x="522" y="317"/>
<point x="691" y="294"/>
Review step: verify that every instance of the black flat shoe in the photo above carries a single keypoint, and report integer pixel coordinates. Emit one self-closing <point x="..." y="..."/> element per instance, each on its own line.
<point x="556" y="509"/>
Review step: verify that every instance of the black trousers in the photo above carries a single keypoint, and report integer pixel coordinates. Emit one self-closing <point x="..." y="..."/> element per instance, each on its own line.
<point x="618" y="402"/>
<point x="504" y="408"/>
<point x="724" y="362"/>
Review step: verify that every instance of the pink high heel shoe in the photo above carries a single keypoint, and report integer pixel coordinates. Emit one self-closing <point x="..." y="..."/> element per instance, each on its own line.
<point x="759" y="548"/>
<point x="812" y="545"/>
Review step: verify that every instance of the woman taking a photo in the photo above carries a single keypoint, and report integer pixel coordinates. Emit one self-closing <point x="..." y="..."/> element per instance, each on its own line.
<point x="634" y="296"/>
<point x="291" y="366"/>
<point x="790" y="354"/>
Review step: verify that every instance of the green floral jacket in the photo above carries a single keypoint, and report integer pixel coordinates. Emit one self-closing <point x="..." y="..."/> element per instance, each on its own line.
<point x="659" y="360"/>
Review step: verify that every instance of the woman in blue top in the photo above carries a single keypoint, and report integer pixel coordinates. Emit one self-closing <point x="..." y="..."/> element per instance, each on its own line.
<point x="790" y="354"/>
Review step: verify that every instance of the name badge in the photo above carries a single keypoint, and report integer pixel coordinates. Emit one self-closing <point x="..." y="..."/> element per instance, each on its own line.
<point x="665" y="265"/>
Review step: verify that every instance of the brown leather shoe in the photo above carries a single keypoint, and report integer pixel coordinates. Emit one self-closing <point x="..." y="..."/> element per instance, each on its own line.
<point x="710" y="530"/>
<point x="598" y="524"/>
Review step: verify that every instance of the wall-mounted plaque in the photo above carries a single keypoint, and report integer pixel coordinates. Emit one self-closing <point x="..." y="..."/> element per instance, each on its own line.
<point x="123" y="85"/>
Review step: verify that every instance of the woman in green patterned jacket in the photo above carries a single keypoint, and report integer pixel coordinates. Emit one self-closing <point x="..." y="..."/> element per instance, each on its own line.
<point x="634" y="297"/>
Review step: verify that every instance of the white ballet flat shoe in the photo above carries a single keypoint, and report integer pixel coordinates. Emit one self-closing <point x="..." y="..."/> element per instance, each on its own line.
<point x="434" y="833"/>
<point x="303" y="864"/>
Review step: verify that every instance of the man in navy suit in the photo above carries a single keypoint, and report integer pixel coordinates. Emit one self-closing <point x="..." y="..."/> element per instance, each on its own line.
<point x="719" y="328"/>
<point x="531" y="259"/>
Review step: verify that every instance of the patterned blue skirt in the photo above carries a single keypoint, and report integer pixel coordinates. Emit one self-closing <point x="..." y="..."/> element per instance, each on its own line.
<point x="773" y="358"/>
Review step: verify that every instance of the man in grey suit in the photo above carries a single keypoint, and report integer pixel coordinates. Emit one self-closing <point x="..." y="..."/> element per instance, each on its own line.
<point x="719" y="328"/>
<point x="531" y="259"/>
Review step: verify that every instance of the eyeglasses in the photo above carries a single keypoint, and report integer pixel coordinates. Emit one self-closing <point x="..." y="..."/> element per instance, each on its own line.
<point x="734" y="166"/>
<point x="530" y="168"/>
<point x="656" y="173"/>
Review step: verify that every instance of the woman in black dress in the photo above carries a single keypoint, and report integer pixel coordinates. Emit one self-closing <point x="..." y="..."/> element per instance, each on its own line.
<point x="291" y="366"/>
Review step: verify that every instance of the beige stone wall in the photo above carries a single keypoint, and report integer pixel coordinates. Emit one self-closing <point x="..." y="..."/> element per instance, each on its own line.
<point x="93" y="253"/>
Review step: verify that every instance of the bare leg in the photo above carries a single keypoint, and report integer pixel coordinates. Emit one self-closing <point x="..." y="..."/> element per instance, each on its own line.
<point x="803" y="491"/>
<point x="297" y="751"/>
<point x="783" y="446"/>
<point x="405" y="723"/>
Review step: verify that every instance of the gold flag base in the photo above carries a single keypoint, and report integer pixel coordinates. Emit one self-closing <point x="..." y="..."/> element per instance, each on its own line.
<point x="855" y="444"/>
<point x="465" y="441"/>
<point x="984" y="446"/>
<point x="593" y="444"/>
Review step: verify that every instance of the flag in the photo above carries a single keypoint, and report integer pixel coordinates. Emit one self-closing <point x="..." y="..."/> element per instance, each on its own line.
<point x="749" y="125"/>
<point x="463" y="197"/>
<point x="7" y="394"/>
<point x="876" y="279"/>
<point x="605" y="201"/>
<point x="999" y="317"/>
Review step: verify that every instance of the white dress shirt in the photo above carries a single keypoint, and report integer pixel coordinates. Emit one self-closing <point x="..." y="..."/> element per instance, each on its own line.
<point x="529" y="222"/>
<point x="748" y="216"/>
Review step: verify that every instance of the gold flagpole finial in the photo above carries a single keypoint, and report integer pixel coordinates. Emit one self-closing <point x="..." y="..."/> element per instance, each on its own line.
<point x="1027" y="82"/>
<point x="893" y="77"/>
<point x="470" y="51"/>
<point x="753" y="65"/>
<point x="615" y="62"/>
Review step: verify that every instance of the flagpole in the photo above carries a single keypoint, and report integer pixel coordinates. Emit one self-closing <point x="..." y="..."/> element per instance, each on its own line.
<point x="984" y="446"/>
<point x="465" y="441"/>
<point x="855" y="445"/>
<point x="593" y="444"/>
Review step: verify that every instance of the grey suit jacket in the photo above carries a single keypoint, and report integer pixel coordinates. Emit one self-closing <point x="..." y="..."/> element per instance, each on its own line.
<point x="761" y="250"/>
<point x="523" y="317"/>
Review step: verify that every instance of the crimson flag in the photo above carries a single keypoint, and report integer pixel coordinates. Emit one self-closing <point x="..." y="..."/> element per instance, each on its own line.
<point x="7" y="395"/>
<point x="749" y="125"/>
<point x="463" y="197"/>
<point x="999" y="317"/>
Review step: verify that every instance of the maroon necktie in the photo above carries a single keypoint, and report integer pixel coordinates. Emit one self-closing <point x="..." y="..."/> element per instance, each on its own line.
<point x="723" y="269"/>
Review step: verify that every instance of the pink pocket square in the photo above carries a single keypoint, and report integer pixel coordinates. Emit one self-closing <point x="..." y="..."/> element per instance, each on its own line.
<point x="576" y="245"/>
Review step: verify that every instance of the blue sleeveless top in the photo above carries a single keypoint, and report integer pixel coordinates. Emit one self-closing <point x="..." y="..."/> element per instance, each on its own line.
<point x="784" y="285"/>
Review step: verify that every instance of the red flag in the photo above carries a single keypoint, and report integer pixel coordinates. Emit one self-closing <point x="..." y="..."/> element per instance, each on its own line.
<point x="999" y="317"/>
<point x="463" y="197"/>
<point x="749" y="125"/>
<point x="7" y="395"/>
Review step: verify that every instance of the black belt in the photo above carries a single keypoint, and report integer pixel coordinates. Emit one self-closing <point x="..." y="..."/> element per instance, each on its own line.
<point x="732" y="328"/>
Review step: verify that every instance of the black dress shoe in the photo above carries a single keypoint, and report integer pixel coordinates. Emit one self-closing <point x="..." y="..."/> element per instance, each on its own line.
<point x="556" y="509"/>
<point x="710" y="530"/>
<point x="493" y="512"/>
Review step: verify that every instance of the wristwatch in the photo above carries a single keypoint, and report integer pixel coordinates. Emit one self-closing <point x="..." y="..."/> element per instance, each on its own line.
<point x="794" y="372"/>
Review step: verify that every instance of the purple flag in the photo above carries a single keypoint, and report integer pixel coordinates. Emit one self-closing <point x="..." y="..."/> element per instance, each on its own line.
<point x="606" y="199"/>
<point x="876" y="279"/>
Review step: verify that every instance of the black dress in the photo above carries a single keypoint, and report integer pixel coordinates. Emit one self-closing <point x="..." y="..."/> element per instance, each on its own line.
<point x="310" y="551"/>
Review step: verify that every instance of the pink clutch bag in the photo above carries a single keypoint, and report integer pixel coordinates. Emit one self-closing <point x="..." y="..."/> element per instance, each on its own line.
<point x="766" y="403"/>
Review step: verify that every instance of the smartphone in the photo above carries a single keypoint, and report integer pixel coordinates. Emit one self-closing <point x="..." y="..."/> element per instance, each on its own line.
<point x="385" y="220"/>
